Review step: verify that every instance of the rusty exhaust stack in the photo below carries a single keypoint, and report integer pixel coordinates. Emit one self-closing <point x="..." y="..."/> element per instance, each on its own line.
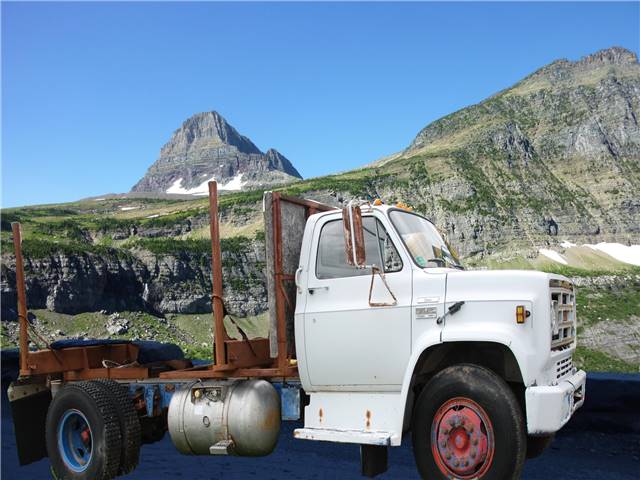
<point x="22" y="300"/>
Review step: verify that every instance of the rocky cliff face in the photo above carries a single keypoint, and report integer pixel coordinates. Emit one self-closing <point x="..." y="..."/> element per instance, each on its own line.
<point x="141" y="280"/>
<point x="206" y="147"/>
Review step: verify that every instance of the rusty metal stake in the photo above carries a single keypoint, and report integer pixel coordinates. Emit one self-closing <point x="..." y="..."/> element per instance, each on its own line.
<point x="281" y="311"/>
<point x="22" y="300"/>
<point x="219" y="331"/>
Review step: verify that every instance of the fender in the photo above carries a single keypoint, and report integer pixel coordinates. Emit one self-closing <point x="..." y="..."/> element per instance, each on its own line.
<point x="423" y="342"/>
<point x="524" y="353"/>
<point x="498" y="335"/>
<point x="494" y="321"/>
<point x="427" y="340"/>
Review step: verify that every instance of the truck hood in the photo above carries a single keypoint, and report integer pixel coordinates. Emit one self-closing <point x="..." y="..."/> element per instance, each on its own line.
<point x="487" y="285"/>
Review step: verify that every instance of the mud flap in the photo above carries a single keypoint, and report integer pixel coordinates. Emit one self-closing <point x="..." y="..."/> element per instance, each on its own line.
<point x="373" y="459"/>
<point x="29" y="406"/>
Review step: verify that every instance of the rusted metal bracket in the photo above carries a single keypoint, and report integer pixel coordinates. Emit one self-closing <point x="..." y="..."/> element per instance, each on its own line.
<point x="375" y="270"/>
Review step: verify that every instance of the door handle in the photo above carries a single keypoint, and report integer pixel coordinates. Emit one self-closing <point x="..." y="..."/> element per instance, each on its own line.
<point x="313" y="289"/>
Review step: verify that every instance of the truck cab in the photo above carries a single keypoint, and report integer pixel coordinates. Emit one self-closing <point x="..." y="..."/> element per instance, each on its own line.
<point x="477" y="364"/>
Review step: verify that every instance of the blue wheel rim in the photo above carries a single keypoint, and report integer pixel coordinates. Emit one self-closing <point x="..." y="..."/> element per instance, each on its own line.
<point x="75" y="440"/>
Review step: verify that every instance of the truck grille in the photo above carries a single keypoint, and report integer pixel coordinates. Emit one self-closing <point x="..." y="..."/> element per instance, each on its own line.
<point x="564" y="367"/>
<point x="563" y="315"/>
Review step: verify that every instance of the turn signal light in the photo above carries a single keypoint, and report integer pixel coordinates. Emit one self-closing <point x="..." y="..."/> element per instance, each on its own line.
<point x="521" y="314"/>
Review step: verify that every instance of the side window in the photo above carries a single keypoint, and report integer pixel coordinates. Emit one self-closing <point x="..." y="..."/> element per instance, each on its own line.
<point x="379" y="250"/>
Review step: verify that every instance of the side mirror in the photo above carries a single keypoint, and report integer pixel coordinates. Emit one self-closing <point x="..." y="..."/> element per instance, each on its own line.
<point x="353" y="235"/>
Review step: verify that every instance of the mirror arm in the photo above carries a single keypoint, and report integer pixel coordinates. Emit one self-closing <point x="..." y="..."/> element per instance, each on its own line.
<point x="375" y="270"/>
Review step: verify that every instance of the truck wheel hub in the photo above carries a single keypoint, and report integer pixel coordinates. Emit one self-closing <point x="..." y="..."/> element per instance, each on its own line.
<point x="462" y="439"/>
<point x="75" y="440"/>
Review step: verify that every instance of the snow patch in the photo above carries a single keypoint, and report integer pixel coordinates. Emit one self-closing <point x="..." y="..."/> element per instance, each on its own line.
<point x="124" y="209"/>
<point x="153" y="216"/>
<point x="553" y="255"/>
<point x="623" y="253"/>
<point x="567" y="244"/>
<point x="235" y="183"/>
<point x="176" y="187"/>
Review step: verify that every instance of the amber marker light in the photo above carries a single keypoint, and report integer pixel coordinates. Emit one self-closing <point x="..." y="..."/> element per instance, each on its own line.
<point x="404" y="206"/>
<point x="521" y="314"/>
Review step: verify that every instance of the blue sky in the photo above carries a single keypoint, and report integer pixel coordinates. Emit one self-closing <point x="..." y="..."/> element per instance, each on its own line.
<point x="90" y="92"/>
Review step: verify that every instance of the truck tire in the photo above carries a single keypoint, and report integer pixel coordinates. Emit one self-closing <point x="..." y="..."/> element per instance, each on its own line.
<point x="83" y="433"/>
<point x="537" y="445"/>
<point x="467" y="424"/>
<point x="128" y="421"/>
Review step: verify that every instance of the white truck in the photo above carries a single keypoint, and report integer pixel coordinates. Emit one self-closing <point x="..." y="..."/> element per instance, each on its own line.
<point x="476" y="364"/>
<point x="379" y="333"/>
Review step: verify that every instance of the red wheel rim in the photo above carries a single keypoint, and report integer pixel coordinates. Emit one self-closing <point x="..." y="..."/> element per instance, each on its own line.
<point x="462" y="440"/>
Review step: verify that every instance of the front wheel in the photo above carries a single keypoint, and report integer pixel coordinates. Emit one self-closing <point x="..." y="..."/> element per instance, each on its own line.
<point x="467" y="424"/>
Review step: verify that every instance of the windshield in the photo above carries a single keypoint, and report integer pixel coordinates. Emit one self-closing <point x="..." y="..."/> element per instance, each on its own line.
<point x="422" y="239"/>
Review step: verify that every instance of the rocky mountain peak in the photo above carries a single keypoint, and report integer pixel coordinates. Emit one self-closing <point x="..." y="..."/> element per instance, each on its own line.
<point x="610" y="56"/>
<point x="207" y="147"/>
<point x="564" y="70"/>
<point x="277" y="161"/>
<point x="208" y="128"/>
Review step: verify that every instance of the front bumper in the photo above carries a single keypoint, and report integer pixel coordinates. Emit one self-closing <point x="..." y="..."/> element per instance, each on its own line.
<point x="549" y="408"/>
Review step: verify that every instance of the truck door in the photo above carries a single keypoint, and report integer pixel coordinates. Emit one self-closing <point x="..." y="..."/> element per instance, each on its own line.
<point x="347" y="341"/>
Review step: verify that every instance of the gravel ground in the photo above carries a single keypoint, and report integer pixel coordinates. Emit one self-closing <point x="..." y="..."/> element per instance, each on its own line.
<point x="577" y="453"/>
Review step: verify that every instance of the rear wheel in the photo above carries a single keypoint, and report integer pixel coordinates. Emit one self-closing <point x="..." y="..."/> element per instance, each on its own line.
<point x="83" y="434"/>
<point x="468" y="425"/>
<point x="128" y="421"/>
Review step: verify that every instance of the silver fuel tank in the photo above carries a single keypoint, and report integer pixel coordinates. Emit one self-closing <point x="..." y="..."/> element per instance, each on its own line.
<point x="225" y="417"/>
